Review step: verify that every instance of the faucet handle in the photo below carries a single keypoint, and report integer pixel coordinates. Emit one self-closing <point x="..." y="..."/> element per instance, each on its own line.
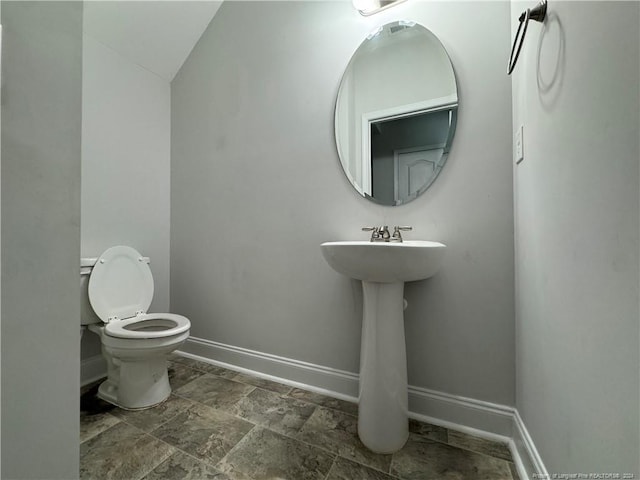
<point x="374" y="232"/>
<point x="397" y="236"/>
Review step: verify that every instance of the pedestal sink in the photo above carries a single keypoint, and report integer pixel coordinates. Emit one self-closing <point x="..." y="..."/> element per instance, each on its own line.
<point x="383" y="268"/>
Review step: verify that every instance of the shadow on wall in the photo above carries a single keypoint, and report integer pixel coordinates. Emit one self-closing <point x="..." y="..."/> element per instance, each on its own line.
<point x="550" y="74"/>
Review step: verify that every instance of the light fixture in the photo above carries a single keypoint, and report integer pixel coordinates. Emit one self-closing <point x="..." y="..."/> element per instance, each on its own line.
<point x="369" y="7"/>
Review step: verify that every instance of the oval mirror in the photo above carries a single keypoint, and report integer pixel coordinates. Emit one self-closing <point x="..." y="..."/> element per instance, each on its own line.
<point x="396" y="113"/>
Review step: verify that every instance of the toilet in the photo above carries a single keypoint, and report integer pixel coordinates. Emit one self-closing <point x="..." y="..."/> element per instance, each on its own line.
<point x="135" y="343"/>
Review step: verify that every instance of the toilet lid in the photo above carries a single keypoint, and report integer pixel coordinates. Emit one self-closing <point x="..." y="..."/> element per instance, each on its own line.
<point x="120" y="285"/>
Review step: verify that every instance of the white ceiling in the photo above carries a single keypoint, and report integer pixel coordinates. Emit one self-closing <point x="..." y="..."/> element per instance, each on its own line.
<point x="157" y="35"/>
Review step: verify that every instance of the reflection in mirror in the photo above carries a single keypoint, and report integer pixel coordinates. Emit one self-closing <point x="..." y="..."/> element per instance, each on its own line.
<point x="396" y="113"/>
<point x="411" y="150"/>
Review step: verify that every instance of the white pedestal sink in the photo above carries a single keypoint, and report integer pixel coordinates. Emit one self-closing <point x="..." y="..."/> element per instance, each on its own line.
<point x="383" y="268"/>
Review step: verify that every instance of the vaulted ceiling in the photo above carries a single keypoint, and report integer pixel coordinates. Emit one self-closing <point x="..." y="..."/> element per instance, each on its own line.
<point x="157" y="35"/>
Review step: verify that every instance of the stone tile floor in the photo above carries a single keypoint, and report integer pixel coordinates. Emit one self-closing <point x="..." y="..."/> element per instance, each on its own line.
<point x="220" y="424"/>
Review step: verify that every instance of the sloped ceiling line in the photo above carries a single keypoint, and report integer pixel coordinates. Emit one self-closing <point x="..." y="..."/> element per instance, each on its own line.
<point x="157" y="35"/>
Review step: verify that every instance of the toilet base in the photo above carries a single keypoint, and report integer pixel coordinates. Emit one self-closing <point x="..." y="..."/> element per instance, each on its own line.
<point x="136" y="385"/>
<point x="137" y="376"/>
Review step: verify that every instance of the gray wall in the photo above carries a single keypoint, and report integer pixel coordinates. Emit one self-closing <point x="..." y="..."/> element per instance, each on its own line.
<point x="257" y="186"/>
<point x="41" y="107"/>
<point x="125" y="164"/>
<point x="576" y="205"/>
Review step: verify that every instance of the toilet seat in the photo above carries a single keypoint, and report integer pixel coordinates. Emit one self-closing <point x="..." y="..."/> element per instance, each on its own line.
<point x="148" y="325"/>
<point x="120" y="285"/>
<point x="120" y="292"/>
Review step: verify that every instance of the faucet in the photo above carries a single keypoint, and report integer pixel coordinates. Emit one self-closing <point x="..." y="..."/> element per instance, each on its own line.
<point x="382" y="234"/>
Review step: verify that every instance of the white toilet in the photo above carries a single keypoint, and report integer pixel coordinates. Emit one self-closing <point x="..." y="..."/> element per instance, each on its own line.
<point x="135" y="343"/>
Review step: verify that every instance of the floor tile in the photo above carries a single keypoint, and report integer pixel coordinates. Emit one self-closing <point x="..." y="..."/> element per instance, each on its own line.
<point x="93" y="424"/>
<point x="424" y="459"/>
<point x="324" y="401"/>
<point x="121" y="452"/>
<point x="175" y="358"/>
<point x="338" y="432"/>
<point x="267" y="455"/>
<point x="480" y="445"/>
<point x="215" y="370"/>
<point x="219" y="424"/>
<point x="204" y="432"/>
<point x="181" y="466"/>
<point x="180" y="374"/>
<point x="344" y="469"/>
<point x="262" y="383"/>
<point x="203" y="366"/>
<point x="95" y="414"/>
<point x="428" y="430"/>
<point x="281" y="414"/>
<point x="151" y="418"/>
<point x="214" y="391"/>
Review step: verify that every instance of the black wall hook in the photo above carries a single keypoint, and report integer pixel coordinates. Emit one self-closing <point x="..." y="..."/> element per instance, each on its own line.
<point x="537" y="13"/>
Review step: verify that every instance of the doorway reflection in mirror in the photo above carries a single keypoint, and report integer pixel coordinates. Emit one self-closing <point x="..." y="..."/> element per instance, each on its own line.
<point x="407" y="154"/>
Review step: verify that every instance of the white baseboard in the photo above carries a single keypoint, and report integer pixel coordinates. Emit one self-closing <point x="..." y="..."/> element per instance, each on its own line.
<point x="476" y="417"/>
<point x="527" y="453"/>
<point x="92" y="369"/>
<point x="286" y="370"/>
<point x="479" y="415"/>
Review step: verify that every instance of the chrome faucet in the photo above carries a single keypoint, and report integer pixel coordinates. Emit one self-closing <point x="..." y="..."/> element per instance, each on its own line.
<point x="397" y="236"/>
<point x="382" y="234"/>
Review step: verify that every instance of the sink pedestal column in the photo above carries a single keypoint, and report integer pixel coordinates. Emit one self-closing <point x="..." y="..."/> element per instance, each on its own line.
<point x="383" y="398"/>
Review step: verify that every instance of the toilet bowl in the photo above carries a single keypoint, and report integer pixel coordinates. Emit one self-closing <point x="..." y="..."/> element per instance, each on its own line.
<point x="135" y="343"/>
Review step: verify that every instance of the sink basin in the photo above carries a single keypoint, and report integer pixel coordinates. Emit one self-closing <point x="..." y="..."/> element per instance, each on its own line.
<point x="385" y="262"/>
<point x="383" y="267"/>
